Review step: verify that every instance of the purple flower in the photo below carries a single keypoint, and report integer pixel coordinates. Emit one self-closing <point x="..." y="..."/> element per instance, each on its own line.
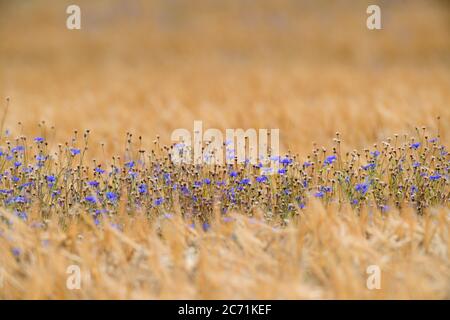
<point x="74" y="151"/>
<point x="286" y="161"/>
<point x="93" y="183"/>
<point x="245" y="181"/>
<point x="415" y="145"/>
<point x="142" y="188"/>
<point x="319" y="194"/>
<point x="158" y="201"/>
<point x="262" y="179"/>
<point x="435" y="177"/>
<point x="375" y="153"/>
<point x="16" y="252"/>
<point x="206" y="226"/>
<point x="99" y="170"/>
<point x="362" y="188"/>
<point x="369" y="166"/>
<point x="39" y="139"/>
<point x="91" y="199"/>
<point x="330" y="159"/>
<point x="111" y="196"/>
<point x="51" y="179"/>
<point x="18" y="149"/>
<point x="197" y="184"/>
<point x="130" y="164"/>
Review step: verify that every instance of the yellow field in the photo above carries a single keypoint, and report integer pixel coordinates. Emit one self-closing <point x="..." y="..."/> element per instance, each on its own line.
<point x="309" y="68"/>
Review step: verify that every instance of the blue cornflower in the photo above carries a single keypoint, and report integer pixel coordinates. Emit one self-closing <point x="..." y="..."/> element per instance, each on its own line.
<point x="233" y="174"/>
<point x="206" y="226"/>
<point x="416" y="164"/>
<point x="18" y="149"/>
<point x="99" y="170"/>
<point x="27" y="169"/>
<point x="185" y="190"/>
<point x="369" y="166"/>
<point x="39" y="139"/>
<point x="41" y="157"/>
<point x="130" y="164"/>
<point x="93" y="183"/>
<point x="362" y="188"/>
<point x="17" y="164"/>
<point x="142" y="188"/>
<point x="166" y="177"/>
<point x="415" y="145"/>
<point x="286" y="161"/>
<point x="197" y="184"/>
<point x="413" y="190"/>
<point x="262" y="179"/>
<point x="207" y="181"/>
<point x="74" y="151"/>
<point x="307" y="164"/>
<point x="282" y="171"/>
<point x="326" y="189"/>
<point x="319" y="194"/>
<point x="375" y="153"/>
<point x="111" y="196"/>
<point x="245" y="181"/>
<point x="15" y="179"/>
<point x="91" y="199"/>
<point x="56" y="193"/>
<point x="51" y="179"/>
<point x="158" y="201"/>
<point x="435" y="177"/>
<point x="99" y="212"/>
<point x="16" y="252"/>
<point x="18" y="199"/>
<point x="330" y="159"/>
<point x="275" y="158"/>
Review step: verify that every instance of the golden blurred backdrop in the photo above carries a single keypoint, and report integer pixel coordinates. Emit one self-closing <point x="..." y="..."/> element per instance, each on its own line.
<point x="309" y="68"/>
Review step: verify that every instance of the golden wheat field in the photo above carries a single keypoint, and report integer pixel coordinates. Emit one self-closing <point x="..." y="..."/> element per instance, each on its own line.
<point x="87" y="185"/>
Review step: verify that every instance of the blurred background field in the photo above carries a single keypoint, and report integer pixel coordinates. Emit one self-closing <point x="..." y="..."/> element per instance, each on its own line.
<point x="309" y="68"/>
